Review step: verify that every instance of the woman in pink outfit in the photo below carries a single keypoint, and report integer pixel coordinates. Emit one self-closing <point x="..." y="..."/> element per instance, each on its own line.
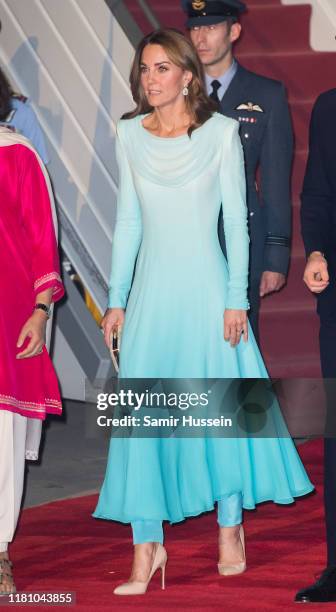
<point x="29" y="282"/>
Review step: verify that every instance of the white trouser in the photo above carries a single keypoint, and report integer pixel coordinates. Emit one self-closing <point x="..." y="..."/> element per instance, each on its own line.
<point x="13" y="431"/>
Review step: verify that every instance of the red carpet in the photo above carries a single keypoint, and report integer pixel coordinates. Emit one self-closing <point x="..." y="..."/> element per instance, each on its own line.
<point x="60" y="547"/>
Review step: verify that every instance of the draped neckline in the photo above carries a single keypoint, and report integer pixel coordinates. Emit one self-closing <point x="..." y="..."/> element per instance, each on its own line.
<point x="172" y="138"/>
<point x="172" y="161"/>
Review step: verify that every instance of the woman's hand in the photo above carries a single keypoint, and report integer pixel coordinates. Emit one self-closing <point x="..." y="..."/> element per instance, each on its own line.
<point x="235" y="326"/>
<point x="113" y="320"/>
<point x="35" y="329"/>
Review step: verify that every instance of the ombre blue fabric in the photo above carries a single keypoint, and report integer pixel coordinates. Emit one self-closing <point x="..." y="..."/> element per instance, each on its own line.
<point x="169" y="269"/>
<point x="229" y="514"/>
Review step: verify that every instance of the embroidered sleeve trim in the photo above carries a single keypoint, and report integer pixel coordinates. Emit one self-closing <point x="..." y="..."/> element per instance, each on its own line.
<point x="53" y="276"/>
<point x="277" y="240"/>
<point x="31" y="406"/>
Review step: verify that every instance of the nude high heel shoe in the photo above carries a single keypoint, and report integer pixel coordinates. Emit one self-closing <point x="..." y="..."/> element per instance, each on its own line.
<point x="237" y="568"/>
<point x="137" y="587"/>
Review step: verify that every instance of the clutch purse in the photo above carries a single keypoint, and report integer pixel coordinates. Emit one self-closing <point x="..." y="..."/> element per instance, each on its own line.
<point x="115" y="348"/>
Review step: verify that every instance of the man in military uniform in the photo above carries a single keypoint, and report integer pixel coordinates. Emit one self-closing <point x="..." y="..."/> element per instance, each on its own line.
<point x="260" y="105"/>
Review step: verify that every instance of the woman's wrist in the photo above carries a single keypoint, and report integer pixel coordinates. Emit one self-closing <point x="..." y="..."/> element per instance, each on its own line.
<point x="241" y="309"/>
<point x="42" y="309"/>
<point x="40" y="317"/>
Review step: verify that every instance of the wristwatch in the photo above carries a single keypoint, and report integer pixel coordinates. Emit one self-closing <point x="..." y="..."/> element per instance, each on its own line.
<point x="45" y="309"/>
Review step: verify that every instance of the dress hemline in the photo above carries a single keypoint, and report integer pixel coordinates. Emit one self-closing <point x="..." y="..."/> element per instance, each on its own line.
<point x="246" y="506"/>
<point x="33" y="414"/>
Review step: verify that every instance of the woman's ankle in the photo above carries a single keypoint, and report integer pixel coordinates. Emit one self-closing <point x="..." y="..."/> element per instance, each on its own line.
<point x="143" y="558"/>
<point x="146" y="546"/>
<point x="229" y="533"/>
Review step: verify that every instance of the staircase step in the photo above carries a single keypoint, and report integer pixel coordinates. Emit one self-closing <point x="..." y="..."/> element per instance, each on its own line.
<point x="275" y="21"/>
<point x="296" y="366"/>
<point x="139" y="16"/>
<point x="262" y="3"/>
<point x="289" y="337"/>
<point x="296" y="71"/>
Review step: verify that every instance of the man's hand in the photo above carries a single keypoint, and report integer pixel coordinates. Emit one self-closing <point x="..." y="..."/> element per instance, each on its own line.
<point x="316" y="274"/>
<point x="271" y="281"/>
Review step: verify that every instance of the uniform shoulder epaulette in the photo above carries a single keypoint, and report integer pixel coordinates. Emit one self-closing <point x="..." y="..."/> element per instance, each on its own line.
<point x="20" y="97"/>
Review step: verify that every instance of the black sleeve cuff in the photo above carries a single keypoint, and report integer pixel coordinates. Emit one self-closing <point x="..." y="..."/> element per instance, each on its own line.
<point x="276" y="255"/>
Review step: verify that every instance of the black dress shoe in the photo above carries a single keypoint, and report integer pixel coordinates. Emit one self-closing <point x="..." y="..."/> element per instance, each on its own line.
<point x="323" y="590"/>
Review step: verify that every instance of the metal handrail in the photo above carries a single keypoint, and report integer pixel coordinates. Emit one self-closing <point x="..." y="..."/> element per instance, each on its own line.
<point x="149" y="14"/>
<point x="125" y="19"/>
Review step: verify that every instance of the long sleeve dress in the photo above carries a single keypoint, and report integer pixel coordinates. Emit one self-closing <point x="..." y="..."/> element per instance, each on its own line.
<point x="169" y="272"/>
<point x="29" y="264"/>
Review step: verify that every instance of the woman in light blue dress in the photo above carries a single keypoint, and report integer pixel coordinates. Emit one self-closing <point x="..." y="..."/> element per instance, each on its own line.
<point x="183" y="311"/>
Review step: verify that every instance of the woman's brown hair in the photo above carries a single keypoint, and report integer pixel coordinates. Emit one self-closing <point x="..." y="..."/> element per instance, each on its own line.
<point x="182" y="53"/>
<point x="5" y="96"/>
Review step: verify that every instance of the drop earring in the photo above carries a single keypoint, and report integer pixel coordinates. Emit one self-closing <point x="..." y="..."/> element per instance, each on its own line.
<point x="185" y="90"/>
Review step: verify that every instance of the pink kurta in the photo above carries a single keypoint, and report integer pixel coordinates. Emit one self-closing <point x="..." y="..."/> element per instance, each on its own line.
<point x="29" y="264"/>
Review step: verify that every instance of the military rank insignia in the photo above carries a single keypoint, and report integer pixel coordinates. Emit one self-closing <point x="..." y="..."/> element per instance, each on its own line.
<point x="198" y="5"/>
<point x="249" y="106"/>
<point x="247" y="119"/>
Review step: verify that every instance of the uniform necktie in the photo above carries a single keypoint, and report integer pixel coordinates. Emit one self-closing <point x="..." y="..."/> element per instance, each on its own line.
<point x="215" y="87"/>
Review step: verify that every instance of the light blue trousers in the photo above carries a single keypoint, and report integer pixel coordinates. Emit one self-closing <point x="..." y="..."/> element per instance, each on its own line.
<point x="229" y="513"/>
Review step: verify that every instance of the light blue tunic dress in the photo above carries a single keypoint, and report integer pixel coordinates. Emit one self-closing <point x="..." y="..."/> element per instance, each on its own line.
<point x="169" y="272"/>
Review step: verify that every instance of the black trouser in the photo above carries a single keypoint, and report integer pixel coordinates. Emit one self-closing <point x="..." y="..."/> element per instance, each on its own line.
<point x="327" y="312"/>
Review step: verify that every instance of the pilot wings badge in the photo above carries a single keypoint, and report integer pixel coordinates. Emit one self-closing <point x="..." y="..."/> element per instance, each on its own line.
<point x="198" y="5"/>
<point x="249" y="106"/>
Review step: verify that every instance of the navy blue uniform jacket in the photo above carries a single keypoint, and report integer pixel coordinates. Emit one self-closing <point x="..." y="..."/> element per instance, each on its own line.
<point x="260" y="105"/>
<point x="318" y="210"/>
